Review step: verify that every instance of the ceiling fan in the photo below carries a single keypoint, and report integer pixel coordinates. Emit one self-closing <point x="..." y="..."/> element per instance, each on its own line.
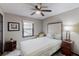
<point x="39" y="9"/>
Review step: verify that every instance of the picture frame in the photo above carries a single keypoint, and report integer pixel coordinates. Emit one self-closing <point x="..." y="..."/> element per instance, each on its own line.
<point x="13" y="26"/>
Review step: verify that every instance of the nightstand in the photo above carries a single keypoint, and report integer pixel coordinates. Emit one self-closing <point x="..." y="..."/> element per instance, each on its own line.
<point x="66" y="47"/>
<point x="10" y="46"/>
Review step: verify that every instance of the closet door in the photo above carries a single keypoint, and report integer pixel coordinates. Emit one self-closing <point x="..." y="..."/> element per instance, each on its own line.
<point x="55" y="29"/>
<point x="1" y="34"/>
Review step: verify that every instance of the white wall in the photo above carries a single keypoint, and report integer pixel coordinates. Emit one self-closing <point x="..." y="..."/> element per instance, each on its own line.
<point x="17" y="35"/>
<point x="68" y="18"/>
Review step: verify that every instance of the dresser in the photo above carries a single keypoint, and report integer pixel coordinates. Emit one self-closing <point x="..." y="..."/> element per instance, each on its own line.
<point x="66" y="47"/>
<point x="10" y="46"/>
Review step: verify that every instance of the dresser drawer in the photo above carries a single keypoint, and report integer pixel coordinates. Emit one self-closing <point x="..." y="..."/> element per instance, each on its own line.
<point x="64" y="44"/>
<point x="10" y="46"/>
<point x="66" y="48"/>
<point x="66" y="52"/>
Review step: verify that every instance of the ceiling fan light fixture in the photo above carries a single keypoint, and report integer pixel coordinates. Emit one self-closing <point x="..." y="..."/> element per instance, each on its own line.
<point x="38" y="12"/>
<point x="39" y="6"/>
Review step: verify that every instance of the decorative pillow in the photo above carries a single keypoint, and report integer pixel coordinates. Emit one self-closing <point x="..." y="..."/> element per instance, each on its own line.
<point x="41" y="34"/>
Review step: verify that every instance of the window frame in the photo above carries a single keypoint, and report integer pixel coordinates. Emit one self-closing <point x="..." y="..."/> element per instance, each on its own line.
<point x="23" y="30"/>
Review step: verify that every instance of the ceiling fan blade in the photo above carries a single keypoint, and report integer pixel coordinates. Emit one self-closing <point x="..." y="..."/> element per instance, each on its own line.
<point x="46" y="10"/>
<point x="42" y="14"/>
<point x="37" y="7"/>
<point x="33" y="13"/>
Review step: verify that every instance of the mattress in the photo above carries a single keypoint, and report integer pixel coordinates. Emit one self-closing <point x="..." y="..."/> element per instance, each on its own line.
<point x="40" y="46"/>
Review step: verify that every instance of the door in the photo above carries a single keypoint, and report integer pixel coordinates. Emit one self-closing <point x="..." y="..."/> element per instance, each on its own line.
<point x="1" y="34"/>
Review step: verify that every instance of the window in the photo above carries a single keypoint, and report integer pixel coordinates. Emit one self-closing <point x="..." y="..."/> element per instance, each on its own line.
<point x="28" y="29"/>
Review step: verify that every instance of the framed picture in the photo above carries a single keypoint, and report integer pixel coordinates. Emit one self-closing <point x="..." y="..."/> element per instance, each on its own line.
<point x="13" y="26"/>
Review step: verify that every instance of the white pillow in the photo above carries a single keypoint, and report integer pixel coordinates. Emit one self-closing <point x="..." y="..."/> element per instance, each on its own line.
<point x="58" y="36"/>
<point x="50" y="36"/>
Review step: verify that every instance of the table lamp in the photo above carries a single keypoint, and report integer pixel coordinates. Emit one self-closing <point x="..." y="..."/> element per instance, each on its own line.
<point x="68" y="29"/>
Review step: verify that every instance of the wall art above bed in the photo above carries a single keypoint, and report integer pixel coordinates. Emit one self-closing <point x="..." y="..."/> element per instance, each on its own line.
<point x="13" y="26"/>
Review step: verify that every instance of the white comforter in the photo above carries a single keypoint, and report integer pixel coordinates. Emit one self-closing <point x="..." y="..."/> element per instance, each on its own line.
<point x="40" y="46"/>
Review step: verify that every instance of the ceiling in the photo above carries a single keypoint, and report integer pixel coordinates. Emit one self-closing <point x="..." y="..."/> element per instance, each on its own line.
<point x="25" y="9"/>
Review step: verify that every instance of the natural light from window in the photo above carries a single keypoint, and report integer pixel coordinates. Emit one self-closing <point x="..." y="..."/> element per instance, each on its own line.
<point x="27" y="29"/>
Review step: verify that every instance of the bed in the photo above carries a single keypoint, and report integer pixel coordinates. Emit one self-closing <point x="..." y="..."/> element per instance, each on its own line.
<point x="43" y="46"/>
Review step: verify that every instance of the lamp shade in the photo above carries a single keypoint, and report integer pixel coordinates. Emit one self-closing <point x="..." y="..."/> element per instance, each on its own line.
<point x="68" y="28"/>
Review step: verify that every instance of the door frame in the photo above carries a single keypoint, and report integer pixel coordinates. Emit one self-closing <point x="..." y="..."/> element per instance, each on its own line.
<point x="1" y="33"/>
